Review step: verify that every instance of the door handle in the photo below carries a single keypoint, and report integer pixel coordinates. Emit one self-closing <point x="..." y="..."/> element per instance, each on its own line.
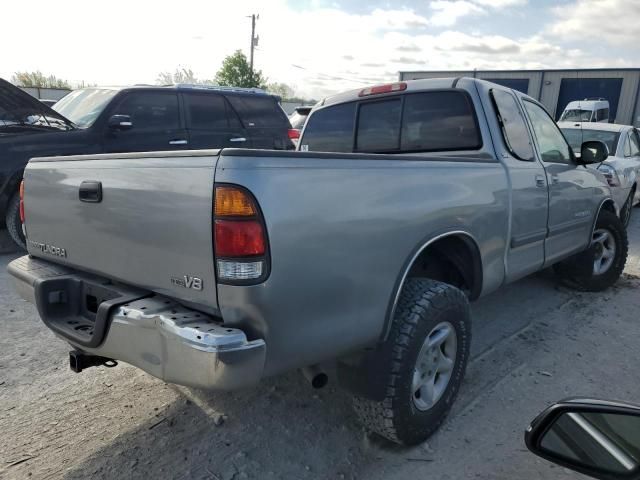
<point x="554" y="179"/>
<point x="178" y="142"/>
<point x="90" y="191"/>
<point x="540" y="181"/>
<point x="238" y="139"/>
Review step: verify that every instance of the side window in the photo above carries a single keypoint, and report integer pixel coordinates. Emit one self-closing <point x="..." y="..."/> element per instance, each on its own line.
<point x="205" y="111"/>
<point x="379" y="126"/>
<point x="330" y="129"/>
<point x="551" y="143"/>
<point x="151" y="110"/>
<point x="435" y="121"/>
<point x="602" y="114"/>
<point x="634" y="143"/>
<point x="627" y="146"/>
<point x="258" y="110"/>
<point x="514" y="129"/>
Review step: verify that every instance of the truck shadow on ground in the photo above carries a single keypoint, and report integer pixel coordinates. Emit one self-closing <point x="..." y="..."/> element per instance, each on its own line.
<point x="285" y="429"/>
<point x="279" y="429"/>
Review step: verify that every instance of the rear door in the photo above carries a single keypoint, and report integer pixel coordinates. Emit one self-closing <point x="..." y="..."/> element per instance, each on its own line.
<point x="575" y="191"/>
<point x="266" y="124"/>
<point x="156" y="123"/>
<point x="211" y="122"/>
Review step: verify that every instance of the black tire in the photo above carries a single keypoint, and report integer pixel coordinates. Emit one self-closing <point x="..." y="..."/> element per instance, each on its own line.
<point x="423" y="306"/>
<point x="14" y="225"/>
<point x="579" y="271"/>
<point x="625" y="212"/>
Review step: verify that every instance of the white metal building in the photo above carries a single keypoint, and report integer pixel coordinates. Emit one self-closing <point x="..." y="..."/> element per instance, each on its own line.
<point x="556" y="88"/>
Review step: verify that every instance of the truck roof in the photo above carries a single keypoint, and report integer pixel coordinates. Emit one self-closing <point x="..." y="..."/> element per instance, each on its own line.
<point x="412" y="86"/>
<point x="588" y="103"/>
<point x="187" y="87"/>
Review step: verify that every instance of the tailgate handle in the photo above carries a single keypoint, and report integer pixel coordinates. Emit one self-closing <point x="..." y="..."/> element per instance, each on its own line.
<point x="90" y="191"/>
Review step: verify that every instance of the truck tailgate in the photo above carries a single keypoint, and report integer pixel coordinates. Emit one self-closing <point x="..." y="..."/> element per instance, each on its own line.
<point x="151" y="226"/>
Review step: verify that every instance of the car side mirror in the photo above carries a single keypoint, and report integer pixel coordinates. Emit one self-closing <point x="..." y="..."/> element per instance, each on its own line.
<point x="120" y="122"/>
<point x="593" y="151"/>
<point x="594" y="437"/>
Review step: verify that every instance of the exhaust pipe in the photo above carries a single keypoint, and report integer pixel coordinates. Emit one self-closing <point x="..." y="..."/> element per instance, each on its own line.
<point x="315" y="376"/>
<point x="79" y="361"/>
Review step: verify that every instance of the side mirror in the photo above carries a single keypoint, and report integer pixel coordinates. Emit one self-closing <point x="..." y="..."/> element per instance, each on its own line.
<point x="120" y="122"/>
<point x="594" y="437"/>
<point x="593" y="151"/>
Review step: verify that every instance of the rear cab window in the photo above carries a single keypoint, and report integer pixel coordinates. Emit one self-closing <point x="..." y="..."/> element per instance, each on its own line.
<point x="259" y="111"/>
<point x="429" y="121"/>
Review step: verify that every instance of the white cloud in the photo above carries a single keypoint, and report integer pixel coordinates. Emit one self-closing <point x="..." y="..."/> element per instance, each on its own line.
<point x="501" y="3"/>
<point x="337" y="50"/>
<point x="614" y="21"/>
<point x="447" y="13"/>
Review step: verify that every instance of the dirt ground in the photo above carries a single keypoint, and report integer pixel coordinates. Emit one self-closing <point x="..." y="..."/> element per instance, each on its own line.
<point x="534" y="343"/>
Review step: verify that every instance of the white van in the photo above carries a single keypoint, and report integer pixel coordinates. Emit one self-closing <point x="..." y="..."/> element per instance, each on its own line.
<point x="587" y="110"/>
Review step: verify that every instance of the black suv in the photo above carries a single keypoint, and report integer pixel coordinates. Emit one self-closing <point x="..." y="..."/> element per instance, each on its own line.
<point x="130" y="119"/>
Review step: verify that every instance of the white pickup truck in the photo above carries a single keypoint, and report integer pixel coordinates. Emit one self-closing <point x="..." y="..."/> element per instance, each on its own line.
<point x="215" y="268"/>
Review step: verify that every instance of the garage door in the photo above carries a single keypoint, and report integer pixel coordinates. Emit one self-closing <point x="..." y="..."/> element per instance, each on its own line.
<point x="580" y="88"/>
<point x="520" y="84"/>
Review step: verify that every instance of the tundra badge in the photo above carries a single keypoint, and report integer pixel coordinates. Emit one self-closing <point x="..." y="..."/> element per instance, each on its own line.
<point x="50" y="249"/>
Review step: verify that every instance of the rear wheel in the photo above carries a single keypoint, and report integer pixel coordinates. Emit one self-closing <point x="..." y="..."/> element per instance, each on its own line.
<point x="13" y="222"/>
<point x="422" y="363"/>
<point x="600" y="266"/>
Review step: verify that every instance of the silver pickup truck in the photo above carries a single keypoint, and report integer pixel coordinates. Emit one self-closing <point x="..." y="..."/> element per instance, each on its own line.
<point x="214" y="269"/>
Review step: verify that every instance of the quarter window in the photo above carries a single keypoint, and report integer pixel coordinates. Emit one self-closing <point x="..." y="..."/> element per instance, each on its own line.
<point x="551" y="143"/>
<point x="151" y="110"/>
<point x="514" y="129"/>
<point x="259" y="111"/>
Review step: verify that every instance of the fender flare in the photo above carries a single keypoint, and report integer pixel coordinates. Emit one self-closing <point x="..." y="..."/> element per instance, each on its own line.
<point x="415" y="254"/>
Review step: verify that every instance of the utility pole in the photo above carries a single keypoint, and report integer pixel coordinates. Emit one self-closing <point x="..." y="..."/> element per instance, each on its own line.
<point x="254" y="39"/>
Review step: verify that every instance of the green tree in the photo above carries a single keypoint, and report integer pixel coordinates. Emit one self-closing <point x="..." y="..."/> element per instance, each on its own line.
<point x="180" y="75"/>
<point x="236" y="72"/>
<point x="38" y="79"/>
<point x="284" y="91"/>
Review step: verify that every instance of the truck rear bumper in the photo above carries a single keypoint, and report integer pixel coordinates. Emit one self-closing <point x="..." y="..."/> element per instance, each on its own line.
<point x="149" y="331"/>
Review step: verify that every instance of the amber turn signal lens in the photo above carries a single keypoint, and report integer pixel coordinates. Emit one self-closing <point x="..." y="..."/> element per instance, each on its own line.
<point x="233" y="202"/>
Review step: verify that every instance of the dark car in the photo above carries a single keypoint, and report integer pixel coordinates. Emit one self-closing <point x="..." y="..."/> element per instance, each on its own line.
<point x="129" y="119"/>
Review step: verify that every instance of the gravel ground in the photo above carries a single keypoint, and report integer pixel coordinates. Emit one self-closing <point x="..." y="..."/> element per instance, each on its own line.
<point x="534" y="343"/>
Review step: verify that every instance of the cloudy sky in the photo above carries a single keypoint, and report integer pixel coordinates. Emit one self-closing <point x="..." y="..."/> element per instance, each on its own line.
<point x="317" y="46"/>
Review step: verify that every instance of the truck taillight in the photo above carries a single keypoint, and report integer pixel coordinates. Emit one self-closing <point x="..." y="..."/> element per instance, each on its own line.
<point x="240" y="240"/>
<point x="22" y="201"/>
<point x="294" y="134"/>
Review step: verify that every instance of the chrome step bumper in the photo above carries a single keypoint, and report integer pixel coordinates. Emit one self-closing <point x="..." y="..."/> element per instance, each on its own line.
<point x="154" y="333"/>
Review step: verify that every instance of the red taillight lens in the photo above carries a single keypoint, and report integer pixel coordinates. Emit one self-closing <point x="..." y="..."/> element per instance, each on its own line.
<point x="294" y="134"/>
<point x="22" y="201"/>
<point x="239" y="238"/>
